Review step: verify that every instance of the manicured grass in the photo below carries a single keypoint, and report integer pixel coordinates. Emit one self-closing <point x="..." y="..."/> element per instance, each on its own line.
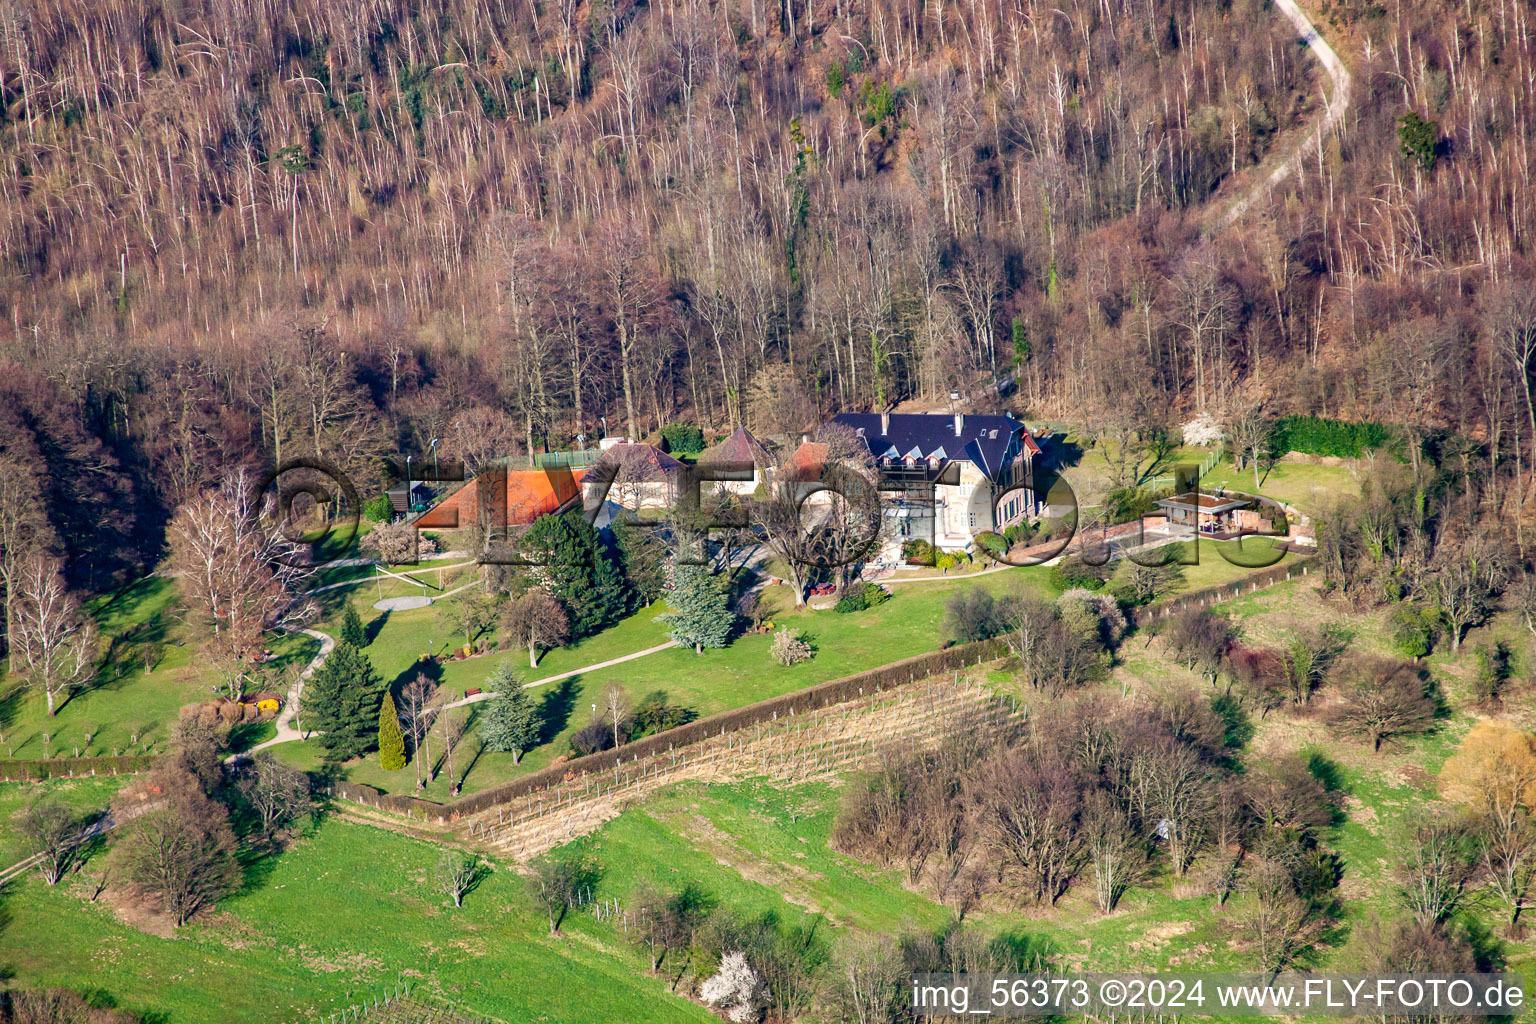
<point x="1305" y="486"/>
<point x="341" y="918"/>
<point x="1225" y="561"/>
<point x="717" y="680"/>
<point x="126" y="699"/>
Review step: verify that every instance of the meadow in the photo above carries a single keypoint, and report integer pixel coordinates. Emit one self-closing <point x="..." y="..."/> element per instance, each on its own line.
<point x="345" y="915"/>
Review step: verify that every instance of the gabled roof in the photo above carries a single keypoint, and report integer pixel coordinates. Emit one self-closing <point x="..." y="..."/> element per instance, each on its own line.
<point x="740" y="449"/>
<point x="982" y="440"/>
<point x="530" y="493"/>
<point x="639" y="462"/>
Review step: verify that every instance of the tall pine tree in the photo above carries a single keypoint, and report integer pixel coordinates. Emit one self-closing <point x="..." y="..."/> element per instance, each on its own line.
<point x="341" y="703"/>
<point x="574" y="565"/>
<point x="701" y="614"/>
<point x="509" y="721"/>
<point x="352" y="630"/>
<point x="391" y="739"/>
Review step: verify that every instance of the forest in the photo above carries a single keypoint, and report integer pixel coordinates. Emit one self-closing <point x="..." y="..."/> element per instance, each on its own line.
<point x="245" y="231"/>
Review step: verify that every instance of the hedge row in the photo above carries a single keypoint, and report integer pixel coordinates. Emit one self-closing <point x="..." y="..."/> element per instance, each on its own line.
<point x="1315" y="435"/>
<point x="60" y="767"/>
<point x="836" y="691"/>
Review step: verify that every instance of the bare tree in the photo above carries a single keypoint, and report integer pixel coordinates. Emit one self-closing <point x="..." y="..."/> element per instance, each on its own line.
<point x="458" y="874"/>
<point x="452" y="730"/>
<point x="1114" y="849"/>
<point x="1249" y="430"/>
<point x="181" y="853"/>
<point x="557" y="881"/>
<point x="1436" y="867"/>
<point x="238" y="578"/>
<point x="54" y="637"/>
<point x="1463" y="578"/>
<point x="277" y="793"/>
<point x="54" y="833"/>
<point x="1383" y="697"/>
<point x="536" y="620"/>
<point x="1278" y="918"/>
<point x="417" y="713"/>
<point x="615" y="707"/>
<point x="24" y="530"/>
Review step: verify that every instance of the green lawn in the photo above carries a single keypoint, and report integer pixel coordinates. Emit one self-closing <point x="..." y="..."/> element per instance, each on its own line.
<point x="1299" y="484"/>
<point x="129" y="707"/>
<point x="86" y="796"/>
<point x="344" y="916"/>
<point x="754" y="848"/>
<point x="717" y="680"/>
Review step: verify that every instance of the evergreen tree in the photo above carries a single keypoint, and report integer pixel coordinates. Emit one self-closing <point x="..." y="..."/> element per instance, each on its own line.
<point x="642" y="558"/>
<point x="352" y="630"/>
<point x="510" y="721"/>
<point x="1020" y="342"/>
<point x="576" y="568"/>
<point x="341" y="703"/>
<point x="391" y="739"/>
<point x="701" y="615"/>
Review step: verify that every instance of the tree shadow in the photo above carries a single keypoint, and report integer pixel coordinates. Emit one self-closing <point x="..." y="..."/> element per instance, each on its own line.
<point x="430" y="668"/>
<point x="10" y="703"/>
<point x="375" y="626"/>
<point x="246" y="735"/>
<point x="556" y="706"/>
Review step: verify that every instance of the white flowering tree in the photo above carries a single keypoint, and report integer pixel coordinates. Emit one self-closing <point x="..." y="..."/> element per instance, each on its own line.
<point x="736" y="989"/>
<point x="1203" y="431"/>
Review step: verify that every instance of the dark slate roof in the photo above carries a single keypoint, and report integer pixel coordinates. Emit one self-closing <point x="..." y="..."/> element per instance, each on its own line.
<point x="983" y="440"/>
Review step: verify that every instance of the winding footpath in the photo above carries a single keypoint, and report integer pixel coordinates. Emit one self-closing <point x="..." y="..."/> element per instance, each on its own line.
<point x="285" y="730"/>
<point x="1333" y="114"/>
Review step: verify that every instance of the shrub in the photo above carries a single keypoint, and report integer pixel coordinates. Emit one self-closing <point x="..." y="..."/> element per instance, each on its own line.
<point x="593" y="738"/>
<point x="1020" y="533"/>
<point x="379" y="509"/>
<point x="1130" y="503"/>
<point x="1492" y="669"/>
<point x="655" y="713"/>
<point x="1070" y="573"/>
<point x="683" y="438"/>
<point x="917" y="552"/>
<point x="861" y="596"/>
<point x="970" y="615"/>
<point x="1414" y="630"/>
<point x="790" y="647"/>
<point x="1096" y="617"/>
<point x="993" y="543"/>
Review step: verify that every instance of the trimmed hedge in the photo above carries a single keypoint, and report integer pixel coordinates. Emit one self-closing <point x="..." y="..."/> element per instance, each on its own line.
<point x="73" y="767"/>
<point x="1315" y="435"/>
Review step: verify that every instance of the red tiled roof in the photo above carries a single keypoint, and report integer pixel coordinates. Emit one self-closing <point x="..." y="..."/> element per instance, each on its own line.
<point x="807" y="461"/>
<point x="530" y="493"/>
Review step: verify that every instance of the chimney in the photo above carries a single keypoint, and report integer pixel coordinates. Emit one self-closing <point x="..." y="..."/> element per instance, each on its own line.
<point x="885" y="424"/>
<point x="959" y="423"/>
